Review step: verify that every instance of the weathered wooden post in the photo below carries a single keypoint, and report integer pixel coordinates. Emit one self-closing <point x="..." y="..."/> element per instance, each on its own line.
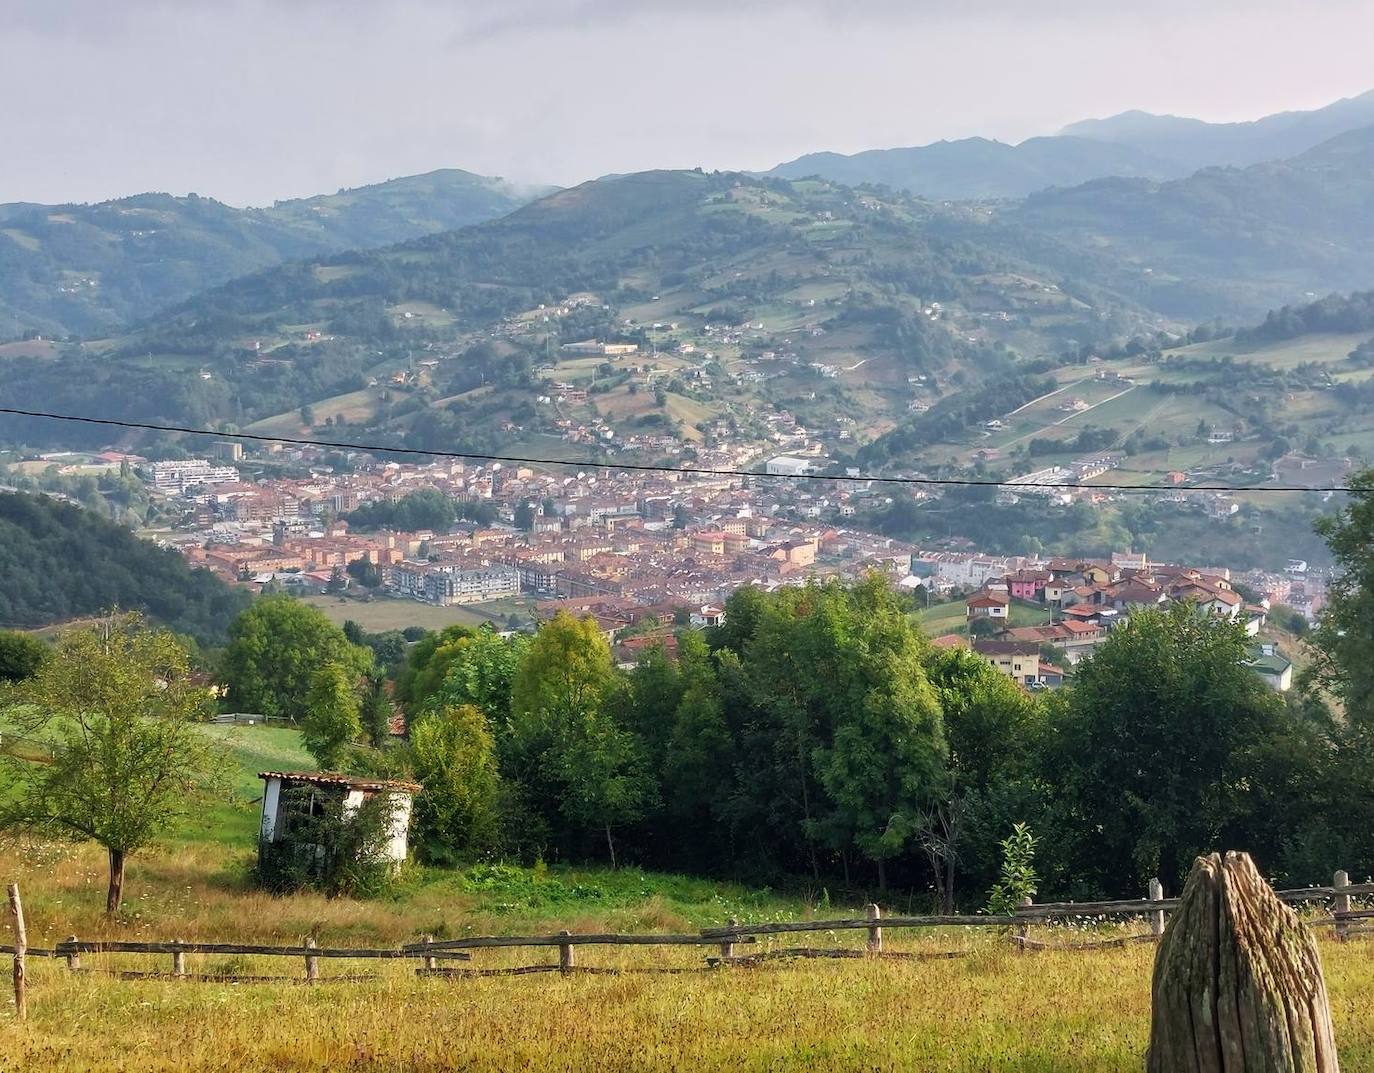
<point x="312" y="963"/>
<point x="1156" y="894"/>
<point x="727" y="946"/>
<point x="565" y="954"/>
<point x="875" y="933"/>
<point x="1238" y="982"/>
<point x="21" y="946"/>
<point x="427" y="962"/>
<point x="1341" y="904"/>
<point x="1021" y="932"/>
<point x="178" y="960"/>
<point x="73" y="956"/>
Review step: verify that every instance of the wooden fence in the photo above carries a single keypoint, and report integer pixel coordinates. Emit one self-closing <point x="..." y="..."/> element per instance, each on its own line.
<point x="1346" y="921"/>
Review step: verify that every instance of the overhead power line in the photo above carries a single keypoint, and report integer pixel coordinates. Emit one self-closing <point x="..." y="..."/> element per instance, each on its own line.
<point x="687" y="471"/>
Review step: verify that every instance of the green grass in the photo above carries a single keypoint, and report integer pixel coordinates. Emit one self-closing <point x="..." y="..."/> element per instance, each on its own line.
<point x="990" y="1012"/>
<point x="233" y="821"/>
<point x="944" y="618"/>
<point x="386" y="613"/>
<point x="1056" y="1012"/>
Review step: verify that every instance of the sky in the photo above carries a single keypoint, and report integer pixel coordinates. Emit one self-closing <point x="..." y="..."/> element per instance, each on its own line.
<point x="251" y="101"/>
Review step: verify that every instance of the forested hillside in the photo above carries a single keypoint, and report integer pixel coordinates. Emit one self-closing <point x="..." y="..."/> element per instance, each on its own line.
<point x="58" y="561"/>
<point x="1224" y="242"/>
<point x="88" y="269"/>
<point x="813" y="269"/>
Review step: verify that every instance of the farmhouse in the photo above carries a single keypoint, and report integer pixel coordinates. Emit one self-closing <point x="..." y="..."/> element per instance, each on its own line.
<point x="294" y="802"/>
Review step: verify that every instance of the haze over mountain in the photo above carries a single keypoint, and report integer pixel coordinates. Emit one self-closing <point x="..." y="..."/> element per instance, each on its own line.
<point x="88" y="269"/>
<point x="1132" y="144"/>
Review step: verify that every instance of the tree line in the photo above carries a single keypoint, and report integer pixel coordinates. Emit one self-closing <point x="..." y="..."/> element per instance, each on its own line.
<point x="815" y="736"/>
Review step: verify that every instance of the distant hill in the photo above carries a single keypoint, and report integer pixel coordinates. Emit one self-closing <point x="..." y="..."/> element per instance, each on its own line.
<point x="59" y="561"/>
<point x="90" y="269"/>
<point x="979" y="167"/>
<point x="1230" y="242"/>
<point x="1131" y="145"/>
<point x="1193" y="144"/>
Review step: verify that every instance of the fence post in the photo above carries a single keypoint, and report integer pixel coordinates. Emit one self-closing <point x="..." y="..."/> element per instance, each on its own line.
<point x="1022" y="930"/>
<point x="727" y="946"/>
<point x="21" y="945"/>
<point x="1156" y="915"/>
<point x="1341" y="904"/>
<point x="74" y="957"/>
<point x="427" y="962"/>
<point x="178" y="960"/>
<point x="875" y="933"/>
<point x="312" y="963"/>
<point x="565" y="954"/>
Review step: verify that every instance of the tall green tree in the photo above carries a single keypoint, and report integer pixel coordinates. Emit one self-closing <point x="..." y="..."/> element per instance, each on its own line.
<point x="275" y="647"/>
<point x="331" y="722"/>
<point x="578" y="762"/>
<point x="476" y="668"/>
<point x="119" y="711"/>
<point x="1159" y="749"/>
<point x="458" y="814"/>
<point x="995" y="731"/>
<point x="698" y="765"/>
<point x="1343" y="642"/>
<point x="881" y="766"/>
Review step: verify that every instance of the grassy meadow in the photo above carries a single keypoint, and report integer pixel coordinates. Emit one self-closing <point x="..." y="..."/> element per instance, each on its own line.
<point x="993" y="1011"/>
<point x="986" y="1009"/>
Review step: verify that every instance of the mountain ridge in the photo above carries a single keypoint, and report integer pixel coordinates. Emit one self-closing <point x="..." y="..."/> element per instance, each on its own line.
<point x="90" y="268"/>
<point x="1132" y="144"/>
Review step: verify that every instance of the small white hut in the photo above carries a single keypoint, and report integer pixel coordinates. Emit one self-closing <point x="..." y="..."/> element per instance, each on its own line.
<point x="313" y="794"/>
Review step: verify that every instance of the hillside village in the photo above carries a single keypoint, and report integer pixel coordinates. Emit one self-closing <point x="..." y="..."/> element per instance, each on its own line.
<point x="646" y="552"/>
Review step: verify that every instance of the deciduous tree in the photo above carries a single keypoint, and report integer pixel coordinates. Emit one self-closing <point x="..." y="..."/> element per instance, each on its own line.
<point x="119" y="711"/>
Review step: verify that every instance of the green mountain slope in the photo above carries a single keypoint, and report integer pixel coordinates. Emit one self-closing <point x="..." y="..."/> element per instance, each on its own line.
<point x="58" y="561"/>
<point x="87" y="269"/>
<point x="853" y="303"/>
<point x="1224" y="242"/>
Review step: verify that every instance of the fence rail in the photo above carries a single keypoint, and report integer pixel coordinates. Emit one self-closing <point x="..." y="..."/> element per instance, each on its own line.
<point x="1346" y="921"/>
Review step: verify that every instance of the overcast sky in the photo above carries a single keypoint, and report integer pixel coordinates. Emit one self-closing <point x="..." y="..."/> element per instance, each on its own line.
<point x="254" y="100"/>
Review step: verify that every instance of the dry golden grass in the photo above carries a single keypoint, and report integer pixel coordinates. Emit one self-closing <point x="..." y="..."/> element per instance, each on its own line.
<point x="992" y="1011"/>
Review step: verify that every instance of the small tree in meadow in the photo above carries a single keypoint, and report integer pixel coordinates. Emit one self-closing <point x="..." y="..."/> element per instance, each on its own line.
<point x="1018" y="879"/>
<point x="118" y="711"/>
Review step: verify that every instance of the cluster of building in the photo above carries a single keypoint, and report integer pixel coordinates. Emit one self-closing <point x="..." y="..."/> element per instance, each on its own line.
<point x="648" y="537"/>
<point x="637" y="547"/>
<point x="1084" y="600"/>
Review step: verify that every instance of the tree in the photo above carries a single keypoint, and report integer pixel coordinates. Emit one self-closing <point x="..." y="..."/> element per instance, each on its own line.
<point x="574" y="759"/>
<point x="21" y="655"/>
<point x="119" y="711"/>
<point x="274" y="648"/>
<point x="376" y="712"/>
<point x="338" y="581"/>
<point x="457" y="816"/>
<point x="605" y="780"/>
<point x="1343" y="643"/>
<point x="331" y="722"/>
<point x="995" y="730"/>
<point x="681" y="516"/>
<point x="524" y="515"/>
<point x="883" y="763"/>
<point x="1162" y="751"/>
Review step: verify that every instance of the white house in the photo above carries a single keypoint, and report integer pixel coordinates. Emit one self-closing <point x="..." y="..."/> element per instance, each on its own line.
<point x="291" y="797"/>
